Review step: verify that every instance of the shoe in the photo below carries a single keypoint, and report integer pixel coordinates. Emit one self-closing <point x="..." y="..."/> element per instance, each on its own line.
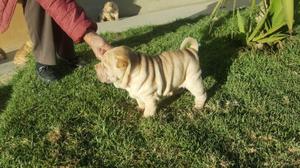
<point x="46" y="72"/>
<point x="74" y="62"/>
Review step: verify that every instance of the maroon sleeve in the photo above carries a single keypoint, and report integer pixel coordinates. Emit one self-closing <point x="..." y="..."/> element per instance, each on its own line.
<point x="7" y="8"/>
<point x="69" y="16"/>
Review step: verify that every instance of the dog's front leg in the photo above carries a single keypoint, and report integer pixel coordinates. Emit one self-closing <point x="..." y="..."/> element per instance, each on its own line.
<point x="150" y="107"/>
<point x="141" y="105"/>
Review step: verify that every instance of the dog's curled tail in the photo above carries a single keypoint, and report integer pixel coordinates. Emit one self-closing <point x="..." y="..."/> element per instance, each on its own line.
<point x="189" y="42"/>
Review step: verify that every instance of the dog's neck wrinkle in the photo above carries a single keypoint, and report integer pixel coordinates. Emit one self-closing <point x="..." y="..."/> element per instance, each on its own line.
<point x="160" y="74"/>
<point x="123" y="82"/>
<point x="132" y="66"/>
<point x="154" y="70"/>
<point x="141" y="70"/>
<point x="139" y="67"/>
<point x="136" y="62"/>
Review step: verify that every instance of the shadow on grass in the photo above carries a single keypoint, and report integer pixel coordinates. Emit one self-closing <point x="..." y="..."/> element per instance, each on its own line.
<point x="64" y="69"/>
<point x="157" y="31"/>
<point x="5" y="92"/>
<point x="216" y="58"/>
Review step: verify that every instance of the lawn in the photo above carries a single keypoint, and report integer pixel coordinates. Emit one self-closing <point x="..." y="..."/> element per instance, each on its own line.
<point x="251" y="118"/>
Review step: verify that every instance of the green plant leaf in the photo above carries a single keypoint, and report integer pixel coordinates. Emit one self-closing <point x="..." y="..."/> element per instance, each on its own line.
<point x="277" y="13"/>
<point x="272" y="39"/>
<point x="253" y="4"/>
<point x="270" y="31"/>
<point x="241" y="22"/>
<point x="217" y="8"/>
<point x="288" y="8"/>
<point x="258" y="27"/>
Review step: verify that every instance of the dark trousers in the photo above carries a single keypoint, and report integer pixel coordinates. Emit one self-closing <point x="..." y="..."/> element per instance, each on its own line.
<point x="49" y="40"/>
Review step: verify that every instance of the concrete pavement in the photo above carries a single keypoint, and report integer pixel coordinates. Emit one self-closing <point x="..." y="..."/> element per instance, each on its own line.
<point x="157" y="17"/>
<point x="7" y="69"/>
<point x="191" y="10"/>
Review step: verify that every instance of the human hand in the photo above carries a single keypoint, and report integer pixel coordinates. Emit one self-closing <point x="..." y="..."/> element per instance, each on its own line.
<point x="97" y="44"/>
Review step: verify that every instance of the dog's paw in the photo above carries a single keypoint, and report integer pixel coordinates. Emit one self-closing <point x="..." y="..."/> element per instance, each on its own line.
<point x="199" y="106"/>
<point x="147" y="115"/>
<point x="200" y="102"/>
<point x="140" y="109"/>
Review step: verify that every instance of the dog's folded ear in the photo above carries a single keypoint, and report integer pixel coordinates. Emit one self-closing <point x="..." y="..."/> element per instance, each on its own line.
<point x="122" y="61"/>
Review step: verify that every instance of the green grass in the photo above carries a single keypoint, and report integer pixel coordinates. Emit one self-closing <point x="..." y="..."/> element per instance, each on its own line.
<point x="251" y="118"/>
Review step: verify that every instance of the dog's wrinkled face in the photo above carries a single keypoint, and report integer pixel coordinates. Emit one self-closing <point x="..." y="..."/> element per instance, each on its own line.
<point x="113" y="64"/>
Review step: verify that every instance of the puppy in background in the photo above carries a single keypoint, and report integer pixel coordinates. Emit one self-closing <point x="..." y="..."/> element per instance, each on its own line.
<point x="21" y="55"/>
<point x="2" y="54"/>
<point x="148" y="79"/>
<point x="110" y="12"/>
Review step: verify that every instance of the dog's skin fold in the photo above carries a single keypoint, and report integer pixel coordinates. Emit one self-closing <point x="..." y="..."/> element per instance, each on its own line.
<point x="147" y="79"/>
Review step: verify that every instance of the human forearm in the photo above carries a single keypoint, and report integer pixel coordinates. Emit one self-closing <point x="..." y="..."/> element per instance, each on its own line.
<point x="69" y="16"/>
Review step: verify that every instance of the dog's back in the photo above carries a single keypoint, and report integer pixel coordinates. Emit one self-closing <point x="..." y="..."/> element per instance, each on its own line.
<point x="169" y="70"/>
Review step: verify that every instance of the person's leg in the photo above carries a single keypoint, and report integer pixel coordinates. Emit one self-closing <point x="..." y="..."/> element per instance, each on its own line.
<point x="63" y="44"/>
<point x="49" y="40"/>
<point x="40" y="27"/>
<point x="65" y="48"/>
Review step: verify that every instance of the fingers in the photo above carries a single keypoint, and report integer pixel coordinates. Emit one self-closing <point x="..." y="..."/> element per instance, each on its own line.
<point x="103" y="49"/>
<point x="107" y="47"/>
<point x="98" y="45"/>
<point x="100" y="52"/>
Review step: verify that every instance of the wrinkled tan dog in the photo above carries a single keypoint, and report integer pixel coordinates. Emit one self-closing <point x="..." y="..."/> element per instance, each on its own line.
<point x="147" y="79"/>
<point x="110" y="12"/>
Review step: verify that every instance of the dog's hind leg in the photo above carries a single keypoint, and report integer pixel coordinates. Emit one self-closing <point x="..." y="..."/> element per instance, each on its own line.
<point x="141" y="105"/>
<point x="150" y="107"/>
<point x="196" y="87"/>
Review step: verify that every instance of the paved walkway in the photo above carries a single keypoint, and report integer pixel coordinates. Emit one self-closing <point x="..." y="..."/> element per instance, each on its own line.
<point x="7" y="69"/>
<point x="157" y="18"/>
<point x="165" y="16"/>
